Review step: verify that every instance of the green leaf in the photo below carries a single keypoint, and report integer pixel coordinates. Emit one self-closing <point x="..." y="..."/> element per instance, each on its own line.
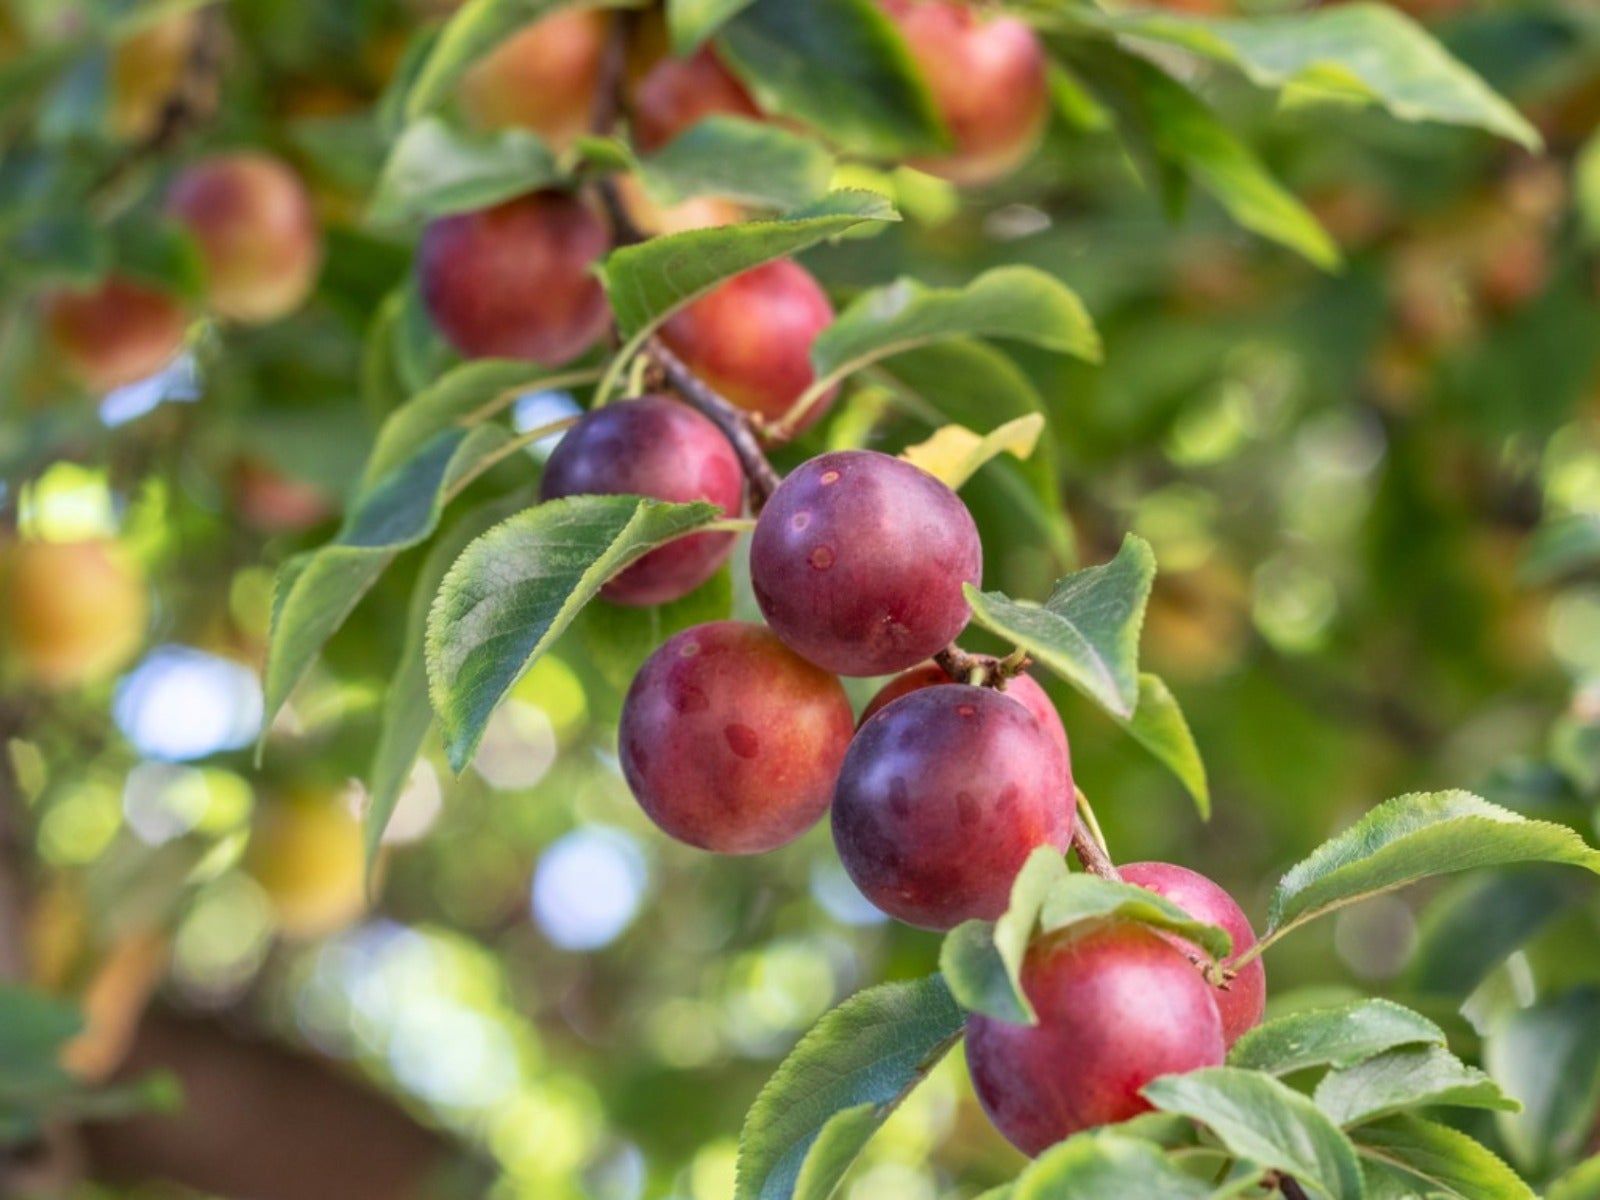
<point x="63" y="248"/>
<point x="1017" y="303"/>
<point x="406" y="716"/>
<point x="161" y="253"/>
<point x="752" y="162"/>
<point x="516" y="588"/>
<point x="1586" y="186"/>
<point x="650" y="281"/>
<point x="1096" y="1164"/>
<point x="1566" y="546"/>
<point x="463" y="396"/>
<point x="838" y="65"/>
<point x="1184" y="131"/>
<point x="981" y="961"/>
<point x="1410" y="838"/>
<point x="1159" y="726"/>
<point x="436" y="169"/>
<point x="1466" y="932"/>
<point x="1548" y="1057"/>
<point x="839" y="1084"/>
<point x="315" y="592"/>
<point x="1334" y="1037"/>
<point x="1086" y="897"/>
<point x="954" y="454"/>
<point x="1449" y="1163"/>
<point x="691" y="22"/>
<point x="1261" y="1120"/>
<point x="1088" y="630"/>
<point x="1368" y="52"/>
<point x="1410" y="1077"/>
<point x="1580" y="1183"/>
<point x="477" y="27"/>
<point x="33" y="1029"/>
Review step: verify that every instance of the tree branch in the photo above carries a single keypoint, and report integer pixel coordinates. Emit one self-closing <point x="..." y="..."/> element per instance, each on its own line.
<point x="734" y="423"/>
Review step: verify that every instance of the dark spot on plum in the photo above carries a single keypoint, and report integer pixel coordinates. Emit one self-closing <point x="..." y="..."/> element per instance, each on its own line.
<point x="742" y="740"/>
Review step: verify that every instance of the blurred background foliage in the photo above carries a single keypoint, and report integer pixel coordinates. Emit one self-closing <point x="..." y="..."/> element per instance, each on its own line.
<point x="1374" y="495"/>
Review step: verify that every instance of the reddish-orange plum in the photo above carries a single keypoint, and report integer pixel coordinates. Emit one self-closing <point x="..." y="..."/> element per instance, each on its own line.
<point x="517" y="280"/>
<point x="858" y="560"/>
<point x="542" y="78"/>
<point x="750" y="338"/>
<point x="653" y="446"/>
<point x="677" y="93"/>
<point x="943" y="796"/>
<point x="257" y="232"/>
<point x="115" y="333"/>
<point x="1242" y="1001"/>
<point x="1117" y="1006"/>
<point x="1024" y="689"/>
<point x="731" y="741"/>
<point x="989" y="84"/>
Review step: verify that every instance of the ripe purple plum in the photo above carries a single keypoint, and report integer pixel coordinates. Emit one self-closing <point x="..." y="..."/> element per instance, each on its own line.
<point x="1024" y="689"/>
<point x="516" y="280"/>
<point x="115" y="333"/>
<point x="858" y="561"/>
<point x="943" y="796"/>
<point x="543" y="77"/>
<point x="1243" y="1000"/>
<point x="257" y="232"/>
<point x="731" y="741"/>
<point x="677" y="93"/>
<point x="750" y="338"/>
<point x="989" y="82"/>
<point x="652" y="446"/>
<point x="1117" y="1005"/>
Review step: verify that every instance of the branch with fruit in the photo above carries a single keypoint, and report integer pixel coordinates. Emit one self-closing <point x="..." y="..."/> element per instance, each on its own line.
<point x="626" y="235"/>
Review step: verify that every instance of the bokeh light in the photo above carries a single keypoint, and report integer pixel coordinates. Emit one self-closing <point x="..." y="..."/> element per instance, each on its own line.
<point x="588" y="887"/>
<point x="181" y="703"/>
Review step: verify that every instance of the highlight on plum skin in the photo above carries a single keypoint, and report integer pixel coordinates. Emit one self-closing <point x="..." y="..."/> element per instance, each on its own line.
<point x="517" y="280"/>
<point x="989" y="80"/>
<point x="1117" y="1007"/>
<point x="941" y="799"/>
<point x="858" y="560"/>
<point x="732" y="742"/>
<point x="652" y="446"/>
<point x="1244" y="999"/>
<point x="1024" y="689"/>
<point x="750" y="338"/>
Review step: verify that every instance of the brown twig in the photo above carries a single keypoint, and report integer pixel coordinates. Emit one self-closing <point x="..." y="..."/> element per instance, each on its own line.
<point x="1095" y="860"/>
<point x="734" y="423"/>
<point x="1290" y="1188"/>
<point x="981" y="670"/>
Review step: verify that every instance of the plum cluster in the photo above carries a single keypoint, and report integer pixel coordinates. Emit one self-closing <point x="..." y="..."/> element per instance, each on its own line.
<point x="738" y="737"/>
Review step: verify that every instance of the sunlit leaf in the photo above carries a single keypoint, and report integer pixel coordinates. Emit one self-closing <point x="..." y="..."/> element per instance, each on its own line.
<point x="954" y="453"/>
<point x="1332" y="1037"/>
<point x="839" y="1084"/>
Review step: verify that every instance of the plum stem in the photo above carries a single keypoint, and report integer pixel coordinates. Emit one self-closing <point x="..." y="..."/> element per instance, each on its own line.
<point x="734" y="424"/>
<point x="1090" y="842"/>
